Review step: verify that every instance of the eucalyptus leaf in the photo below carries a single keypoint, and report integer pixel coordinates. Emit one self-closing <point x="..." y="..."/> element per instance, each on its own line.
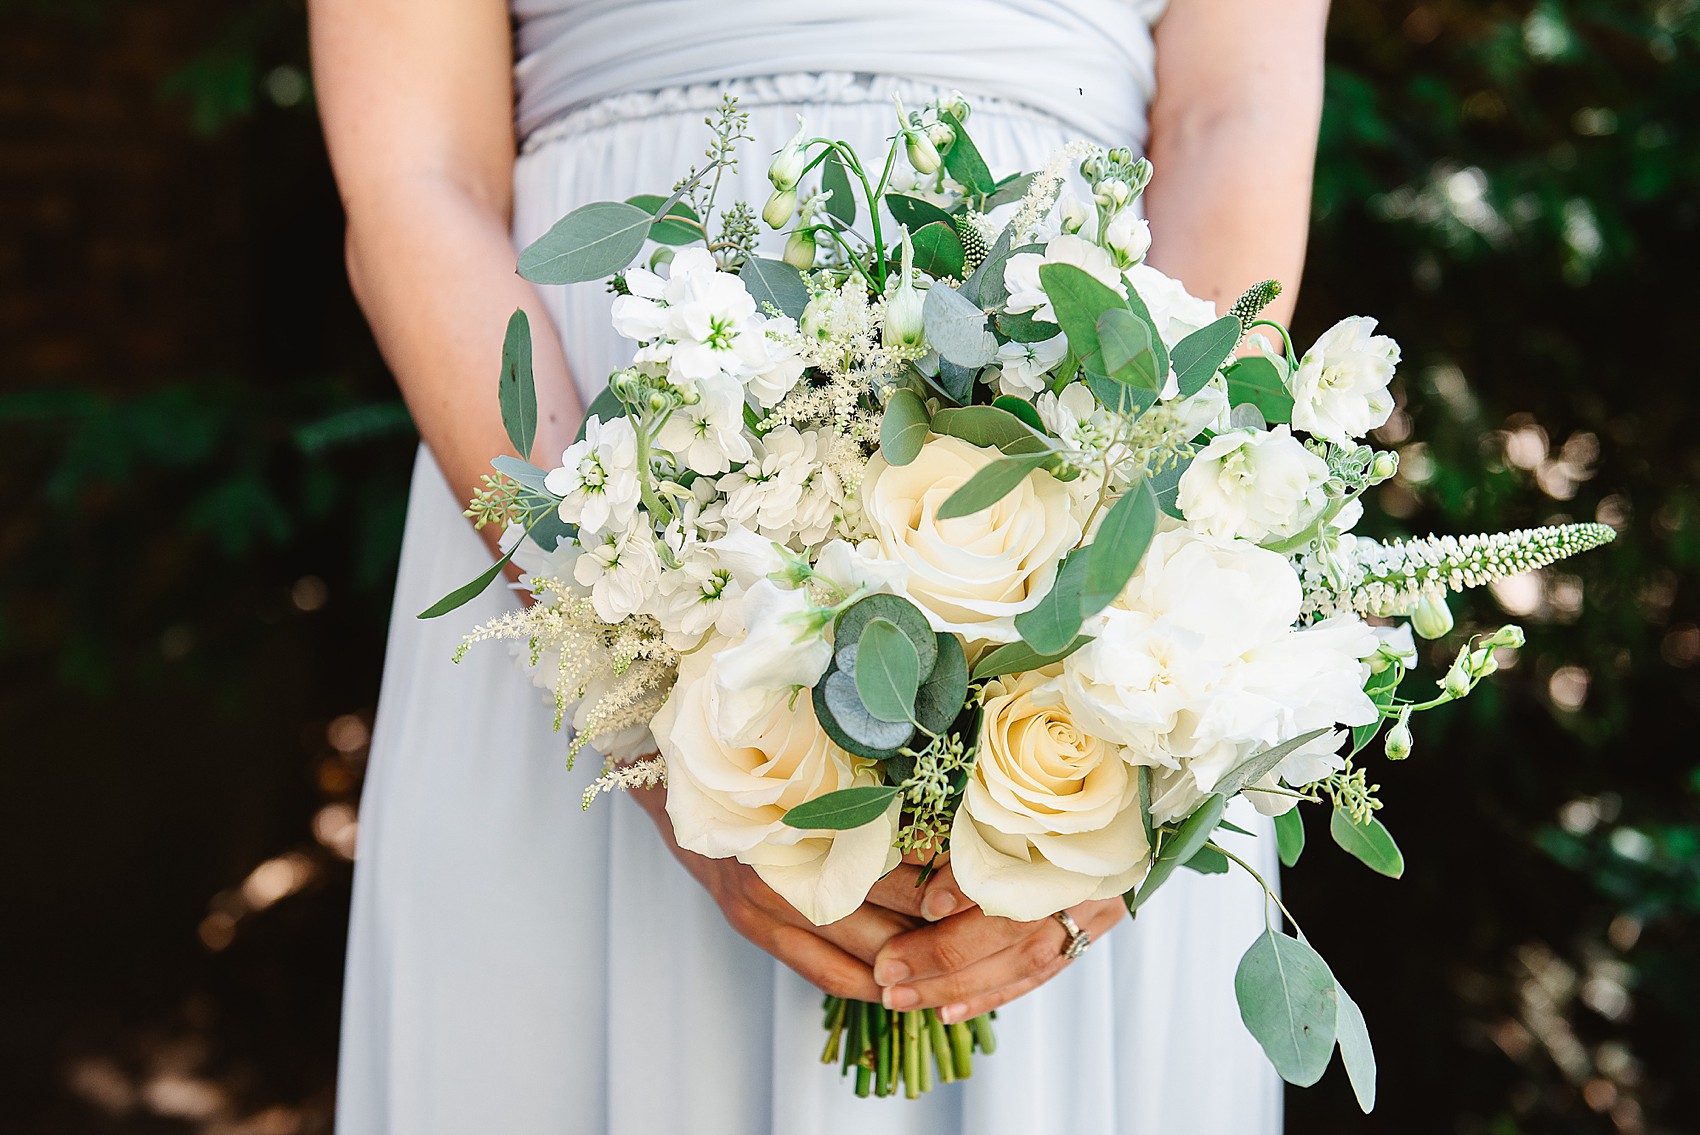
<point x="1245" y="416"/>
<point x="956" y="327"/>
<point x="844" y="809"/>
<point x="991" y="428"/>
<point x="985" y="285"/>
<point x="1124" y="344"/>
<point x="1078" y="300"/>
<point x="1192" y="834"/>
<point x="835" y="177"/>
<point x="1289" y="1002"/>
<point x="1052" y="624"/>
<point x="1115" y="552"/>
<point x="1371" y="843"/>
<point x="904" y="427"/>
<point x="1290" y="836"/>
<point x="523" y="472"/>
<point x="548" y="530"/>
<point x="1201" y="354"/>
<point x="1022" y="409"/>
<point x="847" y="721"/>
<point x="1381" y="689"/>
<point x="1136" y="304"/>
<point x="1258" y="765"/>
<point x="1020" y="657"/>
<point x="990" y="484"/>
<point x="1010" y="189"/>
<point x="1208" y="860"/>
<point x="894" y="609"/>
<point x="888" y="671"/>
<point x="938" y="251"/>
<point x="664" y="230"/>
<point x="1024" y="328"/>
<point x="942" y="695"/>
<point x="913" y="213"/>
<point x="1356" y="1052"/>
<point x="775" y="282"/>
<point x="956" y="382"/>
<point x="964" y="162"/>
<point x="592" y="242"/>
<point x="1254" y="381"/>
<point x="1166" y="485"/>
<point x="1145" y="802"/>
<point x="517" y="392"/>
<point x="1119" y="396"/>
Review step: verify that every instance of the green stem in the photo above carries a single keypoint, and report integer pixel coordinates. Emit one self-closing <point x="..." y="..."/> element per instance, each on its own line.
<point x="924" y="1062"/>
<point x="1286" y="339"/>
<point x="982" y="1027"/>
<point x="962" y="1049"/>
<point x="1252" y="871"/>
<point x="912" y="1055"/>
<point x="941" y="1047"/>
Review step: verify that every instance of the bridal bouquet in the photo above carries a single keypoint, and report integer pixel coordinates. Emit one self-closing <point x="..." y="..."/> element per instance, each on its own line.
<point x="961" y="529"/>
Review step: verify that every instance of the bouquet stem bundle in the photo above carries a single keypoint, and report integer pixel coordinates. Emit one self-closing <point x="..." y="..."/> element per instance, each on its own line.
<point x="892" y="1050"/>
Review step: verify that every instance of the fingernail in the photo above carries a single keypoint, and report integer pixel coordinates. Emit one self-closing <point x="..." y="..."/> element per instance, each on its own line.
<point x="890" y="973"/>
<point x="900" y="998"/>
<point x="951" y="1014"/>
<point x="938" y="905"/>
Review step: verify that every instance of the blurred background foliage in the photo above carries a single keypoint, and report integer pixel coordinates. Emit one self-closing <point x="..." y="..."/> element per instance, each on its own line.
<point x="191" y="628"/>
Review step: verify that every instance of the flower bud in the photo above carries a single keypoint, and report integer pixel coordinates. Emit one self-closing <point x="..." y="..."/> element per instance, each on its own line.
<point x="1399" y="740"/>
<point x="1112" y="192"/>
<point x="1510" y="635"/>
<point x="817" y="320"/>
<point x="922" y="153"/>
<point x="1140" y="175"/>
<point x="903" y="325"/>
<point x="1076" y="218"/>
<point x="658" y="401"/>
<point x="788" y="163"/>
<point x="661" y="256"/>
<point x="800" y="250"/>
<point x="1432" y="618"/>
<point x="1127" y="238"/>
<point x="624" y="384"/>
<point x="956" y="105"/>
<point x="1383" y="467"/>
<point x="780" y="208"/>
<point x="1457" y="681"/>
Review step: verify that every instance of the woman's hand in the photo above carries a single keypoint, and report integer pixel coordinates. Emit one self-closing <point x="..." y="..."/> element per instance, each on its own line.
<point x="837" y="958"/>
<point x="968" y="962"/>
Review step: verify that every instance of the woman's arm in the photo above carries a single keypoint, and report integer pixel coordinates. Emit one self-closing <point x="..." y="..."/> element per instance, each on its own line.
<point x="1233" y="140"/>
<point x="417" y="102"/>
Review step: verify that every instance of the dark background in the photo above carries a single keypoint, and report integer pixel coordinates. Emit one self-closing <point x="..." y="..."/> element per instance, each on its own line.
<point x="204" y="473"/>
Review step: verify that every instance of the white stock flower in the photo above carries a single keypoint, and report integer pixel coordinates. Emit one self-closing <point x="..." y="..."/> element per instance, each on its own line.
<point x="692" y="597"/>
<point x="767" y="493"/>
<point x="1050" y="816"/>
<point x="1340" y="386"/>
<point x="1176" y="311"/>
<point x="1022" y="367"/>
<point x="971" y="574"/>
<point x="621" y="569"/>
<point x="708" y="436"/>
<point x="1021" y="273"/>
<point x="598" y="478"/>
<point x="782" y="367"/>
<point x="1254" y="484"/>
<point x="728" y="799"/>
<point x="1128" y="237"/>
<point x="781" y="656"/>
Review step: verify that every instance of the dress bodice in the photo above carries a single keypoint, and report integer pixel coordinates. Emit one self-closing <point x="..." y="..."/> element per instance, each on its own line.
<point x="1088" y="63"/>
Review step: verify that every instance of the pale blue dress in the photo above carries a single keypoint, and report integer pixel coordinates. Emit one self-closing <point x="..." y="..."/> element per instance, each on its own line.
<point x="519" y="967"/>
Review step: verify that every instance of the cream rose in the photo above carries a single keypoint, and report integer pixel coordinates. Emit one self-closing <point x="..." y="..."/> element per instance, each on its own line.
<point x="1050" y="817"/>
<point x="730" y="800"/>
<point x="971" y="574"/>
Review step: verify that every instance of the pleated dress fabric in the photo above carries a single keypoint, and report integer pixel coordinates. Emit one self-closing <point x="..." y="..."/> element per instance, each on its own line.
<point x="517" y="966"/>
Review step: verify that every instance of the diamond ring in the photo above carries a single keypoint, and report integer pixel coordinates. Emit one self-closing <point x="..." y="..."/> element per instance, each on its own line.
<point x="1078" y="939"/>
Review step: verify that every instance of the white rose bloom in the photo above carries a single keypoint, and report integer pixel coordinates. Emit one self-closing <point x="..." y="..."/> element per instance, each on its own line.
<point x="1128" y="237"/>
<point x="1255" y="484"/>
<point x="728" y="799"/>
<point x="708" y="436"/>
<point x="1176" y="311"/>
<point x="1022" y="367"/>
<point x="766" y="493"/>
<point x="971" y="574"/>
<point x="598" y="478"/>
<point x="622" y="571"/>
<point x="1050" y="816"/>
<point x="1340" y="387"/>
<point x="1021" y="273"/>
<point x="782" y="652"/>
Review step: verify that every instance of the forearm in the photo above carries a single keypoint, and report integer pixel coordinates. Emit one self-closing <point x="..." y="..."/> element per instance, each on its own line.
<point x="433" y="269"/>
<point x="1233" y="140"/>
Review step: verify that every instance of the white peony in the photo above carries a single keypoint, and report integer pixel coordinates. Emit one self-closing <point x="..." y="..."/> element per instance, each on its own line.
<point x="1021" y="273"/>
<point x="598" y="478"/>
<point x="1254" y="484"/>
<point x="728" y="799"/>
<point x="1050" y="816"/>
<point x="971" y="574"/>
<point x="1340" y="386"/>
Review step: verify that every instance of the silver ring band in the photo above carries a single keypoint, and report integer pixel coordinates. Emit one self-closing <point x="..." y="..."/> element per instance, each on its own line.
<point x="1078" y="939"/>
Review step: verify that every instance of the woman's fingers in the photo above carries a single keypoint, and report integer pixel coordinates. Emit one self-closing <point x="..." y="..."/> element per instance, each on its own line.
<point x="904" y="892"/>
<point x="1003" y="976"/>
<point x="947" y="947"/>
<point x="860" y="934"/>
<point x="821" y="963"/>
